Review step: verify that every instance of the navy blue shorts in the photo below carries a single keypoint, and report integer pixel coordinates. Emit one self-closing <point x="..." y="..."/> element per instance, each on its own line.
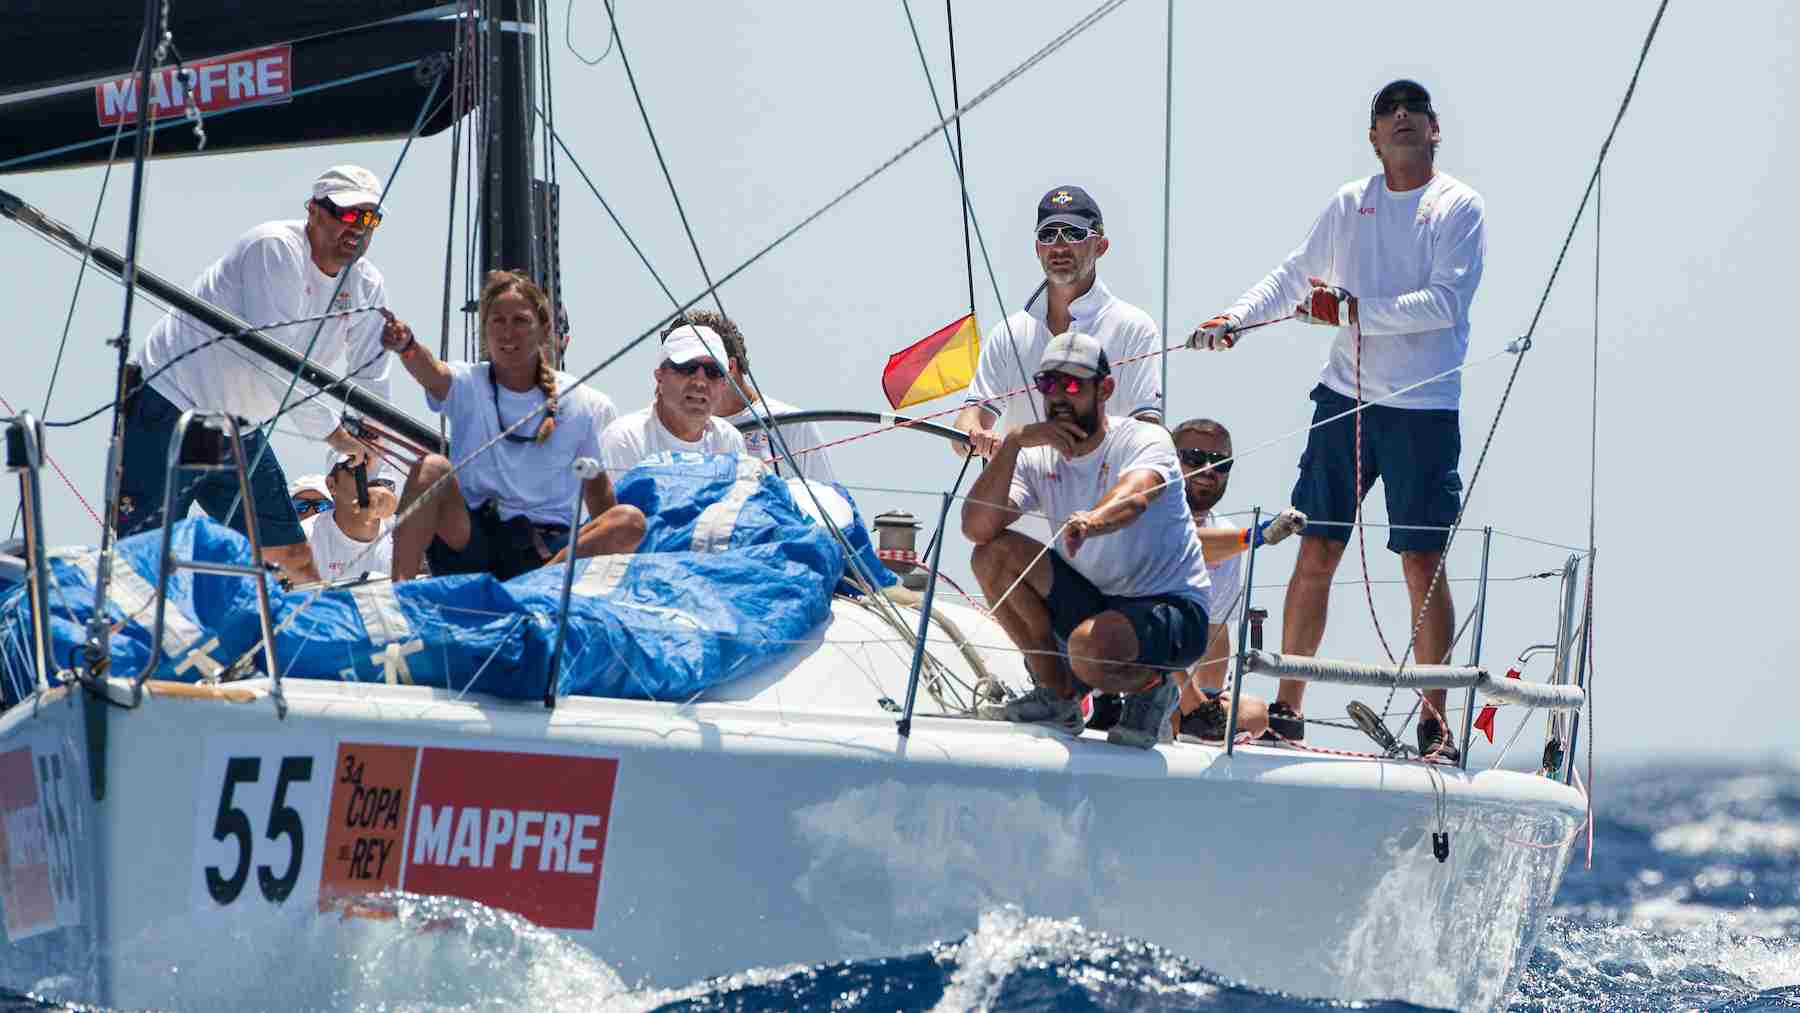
<point x="149" y="428"/>
<point x="1413" y="451"/>
<point x="1171" y="630"/>
<point x="504" y="548"/>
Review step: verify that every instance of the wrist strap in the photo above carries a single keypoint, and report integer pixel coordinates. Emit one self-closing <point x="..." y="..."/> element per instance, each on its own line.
<point x="412" y="344"/>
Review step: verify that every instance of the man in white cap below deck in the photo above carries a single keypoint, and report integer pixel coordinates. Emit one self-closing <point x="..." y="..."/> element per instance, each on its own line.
<point x="1118" y="603"/>
<point x="689" y="382"/>
<point x="279" y="271"/>
<point x="1071" y="239"/>
<point x="1393" y="263"/>
<point x="351" y="538"/>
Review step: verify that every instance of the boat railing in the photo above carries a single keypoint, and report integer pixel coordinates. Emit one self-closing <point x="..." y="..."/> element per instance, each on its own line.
<point x="1563" y="691"/>
<point x="201" y="442"/>
<point x="25" y="457"/>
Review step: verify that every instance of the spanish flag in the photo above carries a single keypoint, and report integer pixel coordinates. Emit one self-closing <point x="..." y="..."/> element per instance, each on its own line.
<point x="940" y="364"/>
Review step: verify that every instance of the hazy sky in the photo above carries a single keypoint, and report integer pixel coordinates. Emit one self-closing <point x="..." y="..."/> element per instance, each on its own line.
<point x="765" y="111"/>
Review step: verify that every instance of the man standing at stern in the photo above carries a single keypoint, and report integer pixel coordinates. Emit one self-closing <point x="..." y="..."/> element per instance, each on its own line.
<point x="1118" y="603"/>
<point x="1392" y="264"/>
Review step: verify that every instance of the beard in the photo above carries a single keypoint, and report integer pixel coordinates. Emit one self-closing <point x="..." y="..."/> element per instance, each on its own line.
<point x="1201" y="502"/>
<point x="1088" y="422"/>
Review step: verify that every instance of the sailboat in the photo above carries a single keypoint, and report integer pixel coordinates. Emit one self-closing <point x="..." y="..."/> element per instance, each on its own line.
<point x="779" y="764"/>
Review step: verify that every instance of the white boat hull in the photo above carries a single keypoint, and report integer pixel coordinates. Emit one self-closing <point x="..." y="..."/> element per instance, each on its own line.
<point x="678" y="843"/>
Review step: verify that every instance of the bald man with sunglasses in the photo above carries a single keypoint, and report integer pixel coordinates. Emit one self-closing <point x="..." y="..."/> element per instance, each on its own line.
<point x="310" y="270"/>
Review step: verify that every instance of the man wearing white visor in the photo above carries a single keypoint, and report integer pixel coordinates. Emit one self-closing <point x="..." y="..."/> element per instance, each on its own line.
<point x="689" y="382"/>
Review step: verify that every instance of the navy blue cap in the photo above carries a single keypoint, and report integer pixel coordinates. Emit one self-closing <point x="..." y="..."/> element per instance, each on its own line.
<point x="1400" y="87"/>
<point x="1068" y="205"/>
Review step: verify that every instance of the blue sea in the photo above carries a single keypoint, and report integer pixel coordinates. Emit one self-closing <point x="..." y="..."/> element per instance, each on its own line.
<point x="1693" y="902"/>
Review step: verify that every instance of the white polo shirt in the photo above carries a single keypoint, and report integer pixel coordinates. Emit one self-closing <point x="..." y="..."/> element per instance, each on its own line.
<point x="815" y="466"/>
<point x="1009" y="361"/>
<point x="634" y="437"/>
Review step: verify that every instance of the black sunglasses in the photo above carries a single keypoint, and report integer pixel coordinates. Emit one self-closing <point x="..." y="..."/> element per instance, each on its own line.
<point x="1050" y="235"/>
<point x="1413" y="104"/>
<point x="1049" y="382"/>
<point x="367" y="219"/>
<point x="713" y="370"/>
<point x="307" y="505"/>
<point x="1196" y="459"/>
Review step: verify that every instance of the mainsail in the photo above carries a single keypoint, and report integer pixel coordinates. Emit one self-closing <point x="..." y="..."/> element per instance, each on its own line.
<point x="291" y="74"/>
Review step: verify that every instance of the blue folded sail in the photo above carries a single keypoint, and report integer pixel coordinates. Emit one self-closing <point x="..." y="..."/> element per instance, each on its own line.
<point x="732" y="572"/>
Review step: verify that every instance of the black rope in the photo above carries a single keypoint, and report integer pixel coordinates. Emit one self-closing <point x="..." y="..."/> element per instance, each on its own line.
<point x="662" y="163"/>
<point x="1519" y="361"/>
<point x="962" y="181"/>
<point x="165" y="367"/>
<point x="1087" y="21"/>
<point x="623" y="231"/>
<point x="954" y="149"/>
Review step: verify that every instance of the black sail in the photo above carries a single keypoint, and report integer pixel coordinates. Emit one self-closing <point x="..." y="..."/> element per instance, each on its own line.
<point x="288" y="74"/>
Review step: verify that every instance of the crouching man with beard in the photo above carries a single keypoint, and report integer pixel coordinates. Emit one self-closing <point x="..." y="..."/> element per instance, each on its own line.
<point x="1119" y="603"/>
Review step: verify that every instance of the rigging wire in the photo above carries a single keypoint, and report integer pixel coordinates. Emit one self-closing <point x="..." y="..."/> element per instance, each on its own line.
<point x="1062" y="39"/>
<point x="1168" y="162"/>
<point x="569" y="38"/>
<point x="62" y="344"/>
<point x="969" y="218"/>
<point x="282" y="407"/>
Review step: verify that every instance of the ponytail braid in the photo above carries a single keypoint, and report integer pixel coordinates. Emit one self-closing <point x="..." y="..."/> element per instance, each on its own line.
<point x="547" y="384"/>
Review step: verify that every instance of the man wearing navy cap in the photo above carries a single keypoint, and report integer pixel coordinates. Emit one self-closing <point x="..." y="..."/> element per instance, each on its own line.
<point x="1392" y="264"/>
<point x="1071" y="239"/>
<point x="1118" y="603"/>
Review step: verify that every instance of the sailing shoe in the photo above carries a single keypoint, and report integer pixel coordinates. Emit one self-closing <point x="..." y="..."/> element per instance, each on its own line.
<point x="1436" y="742"/>
<point x="1043" y="706"/>
<point x="1144" y="721"/>
<point x="1285" y="722"/>
<point x="1207" y="721"/>
<point x="1107" y="708"/>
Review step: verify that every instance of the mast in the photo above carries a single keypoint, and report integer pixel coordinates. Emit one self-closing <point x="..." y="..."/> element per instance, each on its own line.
<point x="510" y="221"/>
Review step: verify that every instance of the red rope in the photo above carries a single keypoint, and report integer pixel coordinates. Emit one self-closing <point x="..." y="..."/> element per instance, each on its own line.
<point x="954" y="409"/>
<point x="59" y="471"/>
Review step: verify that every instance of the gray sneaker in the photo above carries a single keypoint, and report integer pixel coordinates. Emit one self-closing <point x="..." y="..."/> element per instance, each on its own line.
<point x="1042" y="706"/>
<point x="1145" y="721"/>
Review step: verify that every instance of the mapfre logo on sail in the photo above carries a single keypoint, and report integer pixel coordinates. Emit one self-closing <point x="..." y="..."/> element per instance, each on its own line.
<point x="219" y="82"/>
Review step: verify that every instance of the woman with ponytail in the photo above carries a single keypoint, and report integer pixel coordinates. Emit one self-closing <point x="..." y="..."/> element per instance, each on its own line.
<point x="506" y="511"/>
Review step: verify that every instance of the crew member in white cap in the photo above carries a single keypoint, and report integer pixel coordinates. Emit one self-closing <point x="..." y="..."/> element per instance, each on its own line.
<point x="689" y="383"/>
<point x="277" y="272"/>
<point x="353" y="538"/>
<point x="516" y="428"/>
<point x="1118" y="603"/>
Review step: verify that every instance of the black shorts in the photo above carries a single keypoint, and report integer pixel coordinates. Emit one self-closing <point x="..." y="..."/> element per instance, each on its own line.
<point x="1414" y="451"/>
<point x="504" y="548"/>
<point x="1171" y="630"/>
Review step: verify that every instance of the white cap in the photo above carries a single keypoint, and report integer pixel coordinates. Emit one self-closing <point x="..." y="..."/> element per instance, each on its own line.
<point x="348" y="186"/>
<point x="685" y="344"/>
<point x="309" y="483"/>
<point x="1076" y="354"/>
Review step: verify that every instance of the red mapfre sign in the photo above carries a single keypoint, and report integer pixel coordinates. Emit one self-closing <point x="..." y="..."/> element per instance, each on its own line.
<point x="524" y="832"/>
<point x="219" y="82"/>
